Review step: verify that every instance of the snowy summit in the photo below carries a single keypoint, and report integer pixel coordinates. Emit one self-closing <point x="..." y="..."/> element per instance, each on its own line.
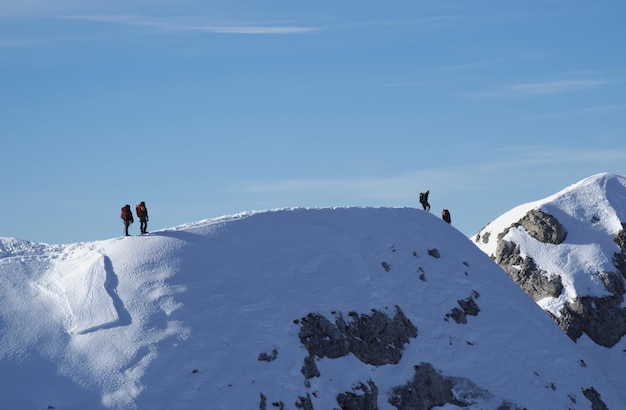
<point x="352" y="308"/>
<point x="568" y="252"/>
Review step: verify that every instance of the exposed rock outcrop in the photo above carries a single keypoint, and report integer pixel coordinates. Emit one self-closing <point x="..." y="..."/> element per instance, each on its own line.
<point x="375" y="339"/>
<point x="619" y="258"/>
<point x="484" y="237"/>
<point x="540" y="225"/>
<point x="429" y="389"/>
<point x="265" y="357"/>
<point x="305" y="403"/>
<point x="362" y="398"/>
<point x="537" y="283"/>
<point x="309" y="369"/>
<point x="543" y="227"/>
<point x="434" y="253"/>
<point x="378" y="339"/>
<point x="603" y="319"/>
<point x="426" y="390"/>
<point x="595" y="399"/>
<point x="467" y="306"/>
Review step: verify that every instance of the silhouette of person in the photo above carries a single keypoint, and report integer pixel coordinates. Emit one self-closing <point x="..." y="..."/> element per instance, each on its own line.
<point x="127" y="217"/>
<point x="445" y="215"/>
<point x="142" y="214"/>
<point x="424" y="200"/>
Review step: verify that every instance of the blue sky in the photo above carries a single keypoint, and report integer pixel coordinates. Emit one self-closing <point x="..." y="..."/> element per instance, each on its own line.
<point x="209" y="108"/>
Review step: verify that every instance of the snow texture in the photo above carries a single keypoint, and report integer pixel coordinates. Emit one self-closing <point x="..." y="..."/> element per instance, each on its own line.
<point x="211" y="315"/>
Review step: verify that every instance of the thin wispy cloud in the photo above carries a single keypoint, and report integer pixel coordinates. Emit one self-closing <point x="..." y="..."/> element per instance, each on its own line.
<point x="408" y="84"/>
<point x="399" y="187"/>
<point x="604" y="108"/>
<point x="531" y="155"/>
<point x="599" y="109"/>
<point x="13" y="42"/>
<point x="544" y="88"/>
<point x="556" y="87"/>
<point x="179" y="25"/>
<point x="511" y="161"/>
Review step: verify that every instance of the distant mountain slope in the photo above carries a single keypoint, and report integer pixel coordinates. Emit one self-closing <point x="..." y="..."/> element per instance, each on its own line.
<point x="568" y="252"/>
<point x="351" y="308"/>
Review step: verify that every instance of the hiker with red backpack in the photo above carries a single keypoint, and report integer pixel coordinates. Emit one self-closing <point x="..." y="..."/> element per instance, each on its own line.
<point x="142" y="214"/>
<point x="127" y="217"/>
<point x="445" y="215"/>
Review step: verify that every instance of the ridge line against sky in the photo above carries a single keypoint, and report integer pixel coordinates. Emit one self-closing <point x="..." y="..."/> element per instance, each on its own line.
<point x="204" y="109"/>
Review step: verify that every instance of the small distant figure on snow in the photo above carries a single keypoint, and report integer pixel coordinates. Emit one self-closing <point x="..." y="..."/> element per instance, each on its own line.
<point x="142" y="214"/>
<point x="127" y="217"/>
<point x="445" y="215"/>
<point x="424" y="200"/>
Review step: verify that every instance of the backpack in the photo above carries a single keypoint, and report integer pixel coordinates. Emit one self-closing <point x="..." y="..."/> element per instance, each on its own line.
<point x="422" y="197"/>
<point x="125" y="213"/>
<point x="141" y="211"/>
<point x="446" y="215"/>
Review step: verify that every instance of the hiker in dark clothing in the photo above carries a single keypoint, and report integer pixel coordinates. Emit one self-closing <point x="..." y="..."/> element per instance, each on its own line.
<point x="127" y="217"/>
<point x="424" y="200"/>
<point x="142" y="214"/>
<point x="445" y="215"/>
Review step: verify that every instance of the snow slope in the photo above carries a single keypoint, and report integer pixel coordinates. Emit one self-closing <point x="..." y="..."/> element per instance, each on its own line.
<point x="179" y="319"/>
<point x="592" y="212"/>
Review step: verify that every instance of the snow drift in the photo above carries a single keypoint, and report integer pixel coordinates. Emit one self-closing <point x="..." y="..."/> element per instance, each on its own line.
<point x="301" y="308"/>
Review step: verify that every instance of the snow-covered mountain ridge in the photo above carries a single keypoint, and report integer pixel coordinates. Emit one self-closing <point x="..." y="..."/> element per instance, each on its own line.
<point x="302" y="308"/>
<point x="568" y="252"/>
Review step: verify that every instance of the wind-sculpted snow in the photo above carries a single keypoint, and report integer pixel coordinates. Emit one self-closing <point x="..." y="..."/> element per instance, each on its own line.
<point x="210" y="315"/>
<point x="64" y="304"/>
<point x="84" y="289"/>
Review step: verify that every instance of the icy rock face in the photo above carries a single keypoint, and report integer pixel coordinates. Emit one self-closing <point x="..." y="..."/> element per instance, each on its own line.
<point x="537" y="283"/>
<point x="523" y="270"/>
<point x="619" y="259"/>
<point x="601" y="318"/>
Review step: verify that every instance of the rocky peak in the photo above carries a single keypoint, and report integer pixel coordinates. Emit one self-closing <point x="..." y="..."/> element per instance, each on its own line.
<point x="553" y="269"/>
